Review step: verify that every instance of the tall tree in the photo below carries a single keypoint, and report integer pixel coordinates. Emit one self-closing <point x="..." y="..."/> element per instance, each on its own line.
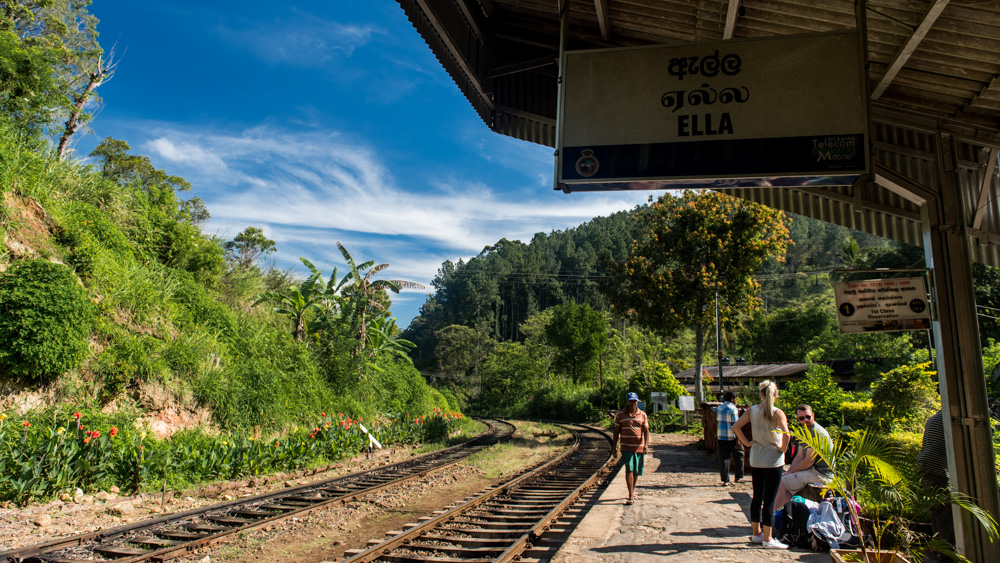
<point x="579" y="334"/>
<point x="688" y="249"/>
<point x="57" y="50"/>
<point x="248" y="246"/>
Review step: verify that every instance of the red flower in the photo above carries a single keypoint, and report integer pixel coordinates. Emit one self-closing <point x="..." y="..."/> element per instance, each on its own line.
<point x="97" y="434"/>
<point x="25" y="424"/>
<point x="322" y="414"/>
<point x="114" y="431"/>
<point x="77" y="415"/>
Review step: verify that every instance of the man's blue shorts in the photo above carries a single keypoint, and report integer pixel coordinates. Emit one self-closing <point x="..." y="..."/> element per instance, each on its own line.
<point x="633" y="462"/>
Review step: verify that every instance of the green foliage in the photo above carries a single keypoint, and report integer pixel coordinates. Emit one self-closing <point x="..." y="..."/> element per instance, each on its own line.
<point x="578" y="334"/>
<point x="248" y="247"/>
<point x="690" y="250"/>
<point x="29" y="89"/>
<point x="817" y="390"/>
<point x="857" y="414"/>
<point x="58" y="450"/>
<point x="656" y="376"/>
<point x="45" y="320"/>
<point x="783" y="335"/>
<point x="130" y="359"/>
<point x="906" y="397"/>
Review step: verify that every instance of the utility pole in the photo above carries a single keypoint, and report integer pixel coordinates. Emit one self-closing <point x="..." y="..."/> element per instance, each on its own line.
<point x="718" y="335"/>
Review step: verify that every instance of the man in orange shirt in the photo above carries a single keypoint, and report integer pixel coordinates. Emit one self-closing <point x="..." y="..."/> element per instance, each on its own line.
<point x="632" y="426"/>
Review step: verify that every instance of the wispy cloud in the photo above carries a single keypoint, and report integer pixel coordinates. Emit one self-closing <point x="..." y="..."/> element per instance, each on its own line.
<point x="301" y="39"/>
<point x="310" y="189"/>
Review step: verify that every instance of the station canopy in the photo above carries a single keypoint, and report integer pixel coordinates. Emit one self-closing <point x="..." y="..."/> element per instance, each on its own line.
<point x="934" y="72"/>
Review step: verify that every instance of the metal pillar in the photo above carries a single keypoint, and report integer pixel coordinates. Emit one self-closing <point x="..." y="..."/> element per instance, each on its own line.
<point x="959" y="356"/>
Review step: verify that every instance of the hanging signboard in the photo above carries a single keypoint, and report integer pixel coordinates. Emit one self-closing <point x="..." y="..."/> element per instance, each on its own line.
<point x="787" y="111"/>
<point x="882" y="305"/>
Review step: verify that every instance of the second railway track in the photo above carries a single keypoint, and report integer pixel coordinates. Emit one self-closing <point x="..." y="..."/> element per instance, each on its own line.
<point x="174" y="535"/>
<point x="502" y="524"/>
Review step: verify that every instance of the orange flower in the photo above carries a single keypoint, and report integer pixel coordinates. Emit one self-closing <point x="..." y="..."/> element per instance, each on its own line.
<point x="87" y="440"/>
<point x="114" y="432"/>
<point x="26" y="424"/>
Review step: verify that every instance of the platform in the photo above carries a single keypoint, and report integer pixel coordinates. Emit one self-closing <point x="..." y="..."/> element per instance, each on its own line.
<point x="682" y="514"/>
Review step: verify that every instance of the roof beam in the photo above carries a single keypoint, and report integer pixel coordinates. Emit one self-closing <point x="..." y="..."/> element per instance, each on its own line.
<point x="522" y="66"/>
<point x="907" y="49"/>
<point x="603" y="18"/>
<point x="731" y="13"/>
<point x="455" y="51"/>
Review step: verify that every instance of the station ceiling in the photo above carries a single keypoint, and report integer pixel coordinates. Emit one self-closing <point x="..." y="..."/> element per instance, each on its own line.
<point x="934" y="71"/>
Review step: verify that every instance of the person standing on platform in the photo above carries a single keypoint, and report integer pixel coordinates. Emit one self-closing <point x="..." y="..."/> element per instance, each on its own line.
<point x="767" y="460"/>
<point x="727" y="414"/>
<point x="632" y="426"/>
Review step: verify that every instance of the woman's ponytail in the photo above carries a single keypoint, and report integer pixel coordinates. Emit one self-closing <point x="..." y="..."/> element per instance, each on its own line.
<point x="768" y="395"/>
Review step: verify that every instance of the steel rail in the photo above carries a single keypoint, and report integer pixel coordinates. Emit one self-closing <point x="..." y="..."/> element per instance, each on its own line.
<point x="258" y="510"/>
<point x="500" y="524"/>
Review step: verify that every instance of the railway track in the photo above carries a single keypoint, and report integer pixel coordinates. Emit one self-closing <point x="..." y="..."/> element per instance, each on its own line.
<point x="506" y="523"/>
<point x="174" y="535"/>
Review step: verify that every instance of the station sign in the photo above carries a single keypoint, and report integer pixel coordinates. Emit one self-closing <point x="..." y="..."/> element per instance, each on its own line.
<point x="788" y="111"/>
<point x="882" y="305"/>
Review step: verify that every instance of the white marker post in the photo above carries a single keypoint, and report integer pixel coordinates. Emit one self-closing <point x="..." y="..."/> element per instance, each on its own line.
<point x="371" y="438"/>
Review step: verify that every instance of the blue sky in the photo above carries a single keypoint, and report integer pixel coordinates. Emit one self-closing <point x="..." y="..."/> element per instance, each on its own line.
<point x="324" y="122"/>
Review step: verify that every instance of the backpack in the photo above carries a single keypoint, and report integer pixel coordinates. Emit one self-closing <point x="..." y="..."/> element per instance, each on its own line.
<point x="794" y="525"/>
<point x="840" y="531"/>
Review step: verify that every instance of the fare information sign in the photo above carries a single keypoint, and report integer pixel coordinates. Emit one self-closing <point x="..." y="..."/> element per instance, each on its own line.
<point x="883" y="305"/>
<point x="786" y="110"/>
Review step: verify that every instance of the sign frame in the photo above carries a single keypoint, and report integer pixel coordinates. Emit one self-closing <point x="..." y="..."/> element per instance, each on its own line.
<point x="719" y="163"/>
<point x="887" y="304"/>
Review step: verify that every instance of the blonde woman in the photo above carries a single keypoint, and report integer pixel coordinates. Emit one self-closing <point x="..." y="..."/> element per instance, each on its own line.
<point x="767" y="460"/>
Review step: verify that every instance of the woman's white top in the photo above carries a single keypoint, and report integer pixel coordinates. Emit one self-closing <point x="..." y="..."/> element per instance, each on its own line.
<point x="766" y="451"/>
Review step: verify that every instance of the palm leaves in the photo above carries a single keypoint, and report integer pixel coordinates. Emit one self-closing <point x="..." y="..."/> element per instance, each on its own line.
<point x="364" y="294"/>
<point x="357" y="300"/>
<point x="870" y="454"/>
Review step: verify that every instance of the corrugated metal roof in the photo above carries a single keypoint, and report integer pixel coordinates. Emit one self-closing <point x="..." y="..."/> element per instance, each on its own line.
<point x="934" y="67"/>
<point x="753" y="371"/>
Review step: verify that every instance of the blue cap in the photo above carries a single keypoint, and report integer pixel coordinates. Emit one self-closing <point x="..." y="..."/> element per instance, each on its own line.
<point x="631" y="396"/>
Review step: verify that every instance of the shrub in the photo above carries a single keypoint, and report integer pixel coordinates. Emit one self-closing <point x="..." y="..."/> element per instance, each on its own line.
<point x="817" y="390"/>
<point x="856" y="414"/>
<point x="130" y="359"/>
<point x="906" y="397"/>
<point x="45" y="320"/>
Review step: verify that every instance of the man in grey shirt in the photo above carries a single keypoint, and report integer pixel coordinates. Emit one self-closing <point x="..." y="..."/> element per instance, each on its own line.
<point x="806" y="468"/>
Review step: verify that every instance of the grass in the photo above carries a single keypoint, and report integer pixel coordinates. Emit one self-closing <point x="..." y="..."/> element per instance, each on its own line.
<point x="468" y="429"/>
<point x="526" y="448"/>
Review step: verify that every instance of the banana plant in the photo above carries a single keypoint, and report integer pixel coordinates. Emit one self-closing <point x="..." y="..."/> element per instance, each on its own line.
<point x="310" y="295"/>
<point x="362" y="291"/>
<point x="382" y="338"/>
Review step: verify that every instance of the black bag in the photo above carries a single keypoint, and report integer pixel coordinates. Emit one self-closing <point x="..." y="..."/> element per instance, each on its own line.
<point x="793" y="523"/>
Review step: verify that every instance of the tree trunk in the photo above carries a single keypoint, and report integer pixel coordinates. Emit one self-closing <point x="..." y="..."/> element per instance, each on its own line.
<point x="73" y="123"/>
<point x="699" y="348"/>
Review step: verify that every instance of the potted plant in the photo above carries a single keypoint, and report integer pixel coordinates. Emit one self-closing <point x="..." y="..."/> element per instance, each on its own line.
<point x="867" y="460"/>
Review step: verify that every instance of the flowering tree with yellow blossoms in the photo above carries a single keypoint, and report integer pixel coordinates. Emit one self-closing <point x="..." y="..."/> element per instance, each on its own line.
<point x="686" y="249"/>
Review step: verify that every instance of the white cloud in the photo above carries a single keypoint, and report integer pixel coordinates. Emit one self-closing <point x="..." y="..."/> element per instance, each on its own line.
<point x="309" y="189"/>
<point x="187" y="154"/>
<point x="301" y="40"/>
